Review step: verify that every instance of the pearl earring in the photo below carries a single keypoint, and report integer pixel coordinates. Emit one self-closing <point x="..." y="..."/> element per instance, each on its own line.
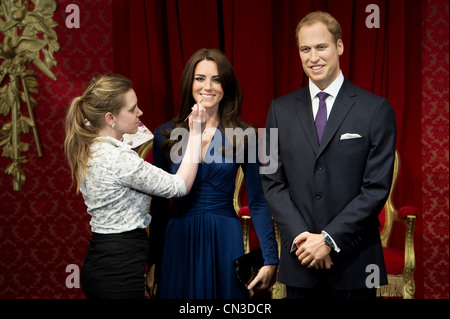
<point x="113" y="125"/>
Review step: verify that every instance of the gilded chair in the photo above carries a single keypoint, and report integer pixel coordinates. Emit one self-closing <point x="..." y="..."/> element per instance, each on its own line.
<point x="278" y="290"/>
<point x="145" y="148"/>
<point x="400" y="261"/>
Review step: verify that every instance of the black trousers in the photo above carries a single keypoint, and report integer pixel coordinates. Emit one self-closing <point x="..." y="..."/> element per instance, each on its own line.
<point x="324" y="291"/>
<point x="115" y="265"/>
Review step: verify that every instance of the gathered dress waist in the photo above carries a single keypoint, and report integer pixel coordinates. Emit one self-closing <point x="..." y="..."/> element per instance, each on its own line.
<point x="208" y="202"/>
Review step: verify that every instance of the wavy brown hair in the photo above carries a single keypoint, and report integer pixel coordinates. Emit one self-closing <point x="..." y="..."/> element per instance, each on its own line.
<point x="229" y="106"/>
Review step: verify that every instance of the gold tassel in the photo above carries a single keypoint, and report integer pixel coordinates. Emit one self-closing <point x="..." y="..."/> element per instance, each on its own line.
<point x="394" y="288"/>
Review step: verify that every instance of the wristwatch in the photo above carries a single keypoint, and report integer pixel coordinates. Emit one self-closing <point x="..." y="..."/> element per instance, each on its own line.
<point x="327" y="240"/>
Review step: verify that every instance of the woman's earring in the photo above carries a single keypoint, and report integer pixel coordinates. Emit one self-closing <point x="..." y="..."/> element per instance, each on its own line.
<point x="113" y="125"/>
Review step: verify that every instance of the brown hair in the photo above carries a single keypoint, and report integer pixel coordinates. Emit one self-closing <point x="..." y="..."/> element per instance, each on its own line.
<point x="327" y="19"/>
<point x="86" y="116"/>
<point x="229" y="106"/>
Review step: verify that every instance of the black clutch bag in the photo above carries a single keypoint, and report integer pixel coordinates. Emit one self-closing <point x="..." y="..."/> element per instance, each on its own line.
<point x="246" y="267"/>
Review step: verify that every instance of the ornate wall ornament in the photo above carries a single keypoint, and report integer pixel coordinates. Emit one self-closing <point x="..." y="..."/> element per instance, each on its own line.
<point x="28" y="37"/>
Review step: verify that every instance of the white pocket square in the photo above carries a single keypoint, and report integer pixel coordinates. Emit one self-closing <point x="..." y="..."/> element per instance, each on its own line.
<point x="348" y="136"/>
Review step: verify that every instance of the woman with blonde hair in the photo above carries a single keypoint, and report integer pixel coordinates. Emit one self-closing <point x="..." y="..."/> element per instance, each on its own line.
<point x="116" y="184"/>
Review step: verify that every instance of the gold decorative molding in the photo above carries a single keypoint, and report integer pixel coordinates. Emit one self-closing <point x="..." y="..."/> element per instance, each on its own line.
<point x="28" y="37"/>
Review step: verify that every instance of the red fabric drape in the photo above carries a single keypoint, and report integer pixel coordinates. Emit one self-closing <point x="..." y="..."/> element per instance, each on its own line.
<point x="153" y="39"/>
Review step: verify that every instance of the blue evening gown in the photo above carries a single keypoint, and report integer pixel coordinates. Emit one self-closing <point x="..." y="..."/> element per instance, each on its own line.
<point x="203" y="235"/>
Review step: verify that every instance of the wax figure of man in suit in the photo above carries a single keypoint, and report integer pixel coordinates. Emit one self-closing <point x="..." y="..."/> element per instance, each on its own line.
<point x="325" y="196"/>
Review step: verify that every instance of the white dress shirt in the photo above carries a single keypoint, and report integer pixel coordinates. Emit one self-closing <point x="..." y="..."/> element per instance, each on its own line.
<point x="332" y="90"/>
<point x="118" y="186"/>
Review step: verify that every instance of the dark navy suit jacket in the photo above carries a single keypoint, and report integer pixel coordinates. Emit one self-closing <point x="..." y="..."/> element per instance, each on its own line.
<point x="339" y="186"/>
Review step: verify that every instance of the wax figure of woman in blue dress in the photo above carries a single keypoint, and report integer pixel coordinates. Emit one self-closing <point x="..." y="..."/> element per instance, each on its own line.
<point x="203" y="236"/>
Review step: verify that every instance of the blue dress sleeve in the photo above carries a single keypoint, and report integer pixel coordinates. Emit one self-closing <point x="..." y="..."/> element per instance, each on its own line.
<point x="259" y="210"/>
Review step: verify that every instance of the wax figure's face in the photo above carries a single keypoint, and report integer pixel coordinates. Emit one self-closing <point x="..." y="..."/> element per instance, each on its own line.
<point x="206" y="85"/>
<point x="127" y="121"/>
<point x="319" y="54"/>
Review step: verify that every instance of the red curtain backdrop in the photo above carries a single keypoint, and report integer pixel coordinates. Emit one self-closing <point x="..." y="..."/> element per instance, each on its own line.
<point x="45" y="228"/>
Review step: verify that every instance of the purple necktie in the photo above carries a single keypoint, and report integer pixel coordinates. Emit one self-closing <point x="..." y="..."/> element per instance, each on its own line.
<point x="321" y="117"/>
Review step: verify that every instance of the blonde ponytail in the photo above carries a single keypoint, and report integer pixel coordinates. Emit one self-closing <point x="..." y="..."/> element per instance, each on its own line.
<point x="85" y="118"/>
<point x="79" y="138"/>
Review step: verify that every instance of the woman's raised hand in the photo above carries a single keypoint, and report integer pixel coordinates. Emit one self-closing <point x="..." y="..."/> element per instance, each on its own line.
<point x="197" y="118"/>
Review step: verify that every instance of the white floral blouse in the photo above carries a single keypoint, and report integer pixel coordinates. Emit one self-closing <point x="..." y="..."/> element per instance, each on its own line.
<point x="118" y="186"/>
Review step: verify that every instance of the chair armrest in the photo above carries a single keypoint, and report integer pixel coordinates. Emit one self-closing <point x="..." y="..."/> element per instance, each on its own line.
<point x="145" y="148"/>
<point x="245" y="223"/>
<point x="244" y="212"/>
<point x="404" y="211"/>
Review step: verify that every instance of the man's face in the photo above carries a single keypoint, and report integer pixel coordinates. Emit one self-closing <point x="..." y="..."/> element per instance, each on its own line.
<point x="319" y="54"/>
